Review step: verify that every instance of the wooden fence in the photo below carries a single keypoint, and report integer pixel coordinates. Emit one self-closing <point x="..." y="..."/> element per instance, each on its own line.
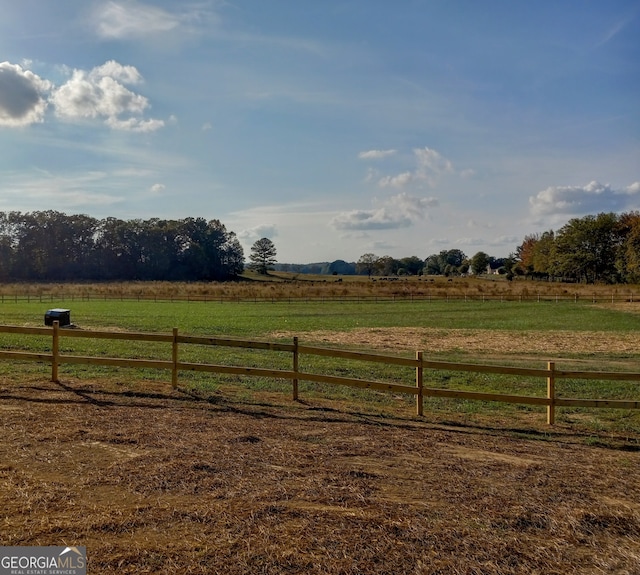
<point x="419" y="363"/>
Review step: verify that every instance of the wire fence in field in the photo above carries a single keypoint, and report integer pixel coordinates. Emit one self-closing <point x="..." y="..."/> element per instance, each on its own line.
<point x="436" y="296"/>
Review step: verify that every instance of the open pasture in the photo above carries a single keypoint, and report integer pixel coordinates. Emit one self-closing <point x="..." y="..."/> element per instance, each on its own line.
<point x="577" y="336"/>
<point x="228" y="475"/>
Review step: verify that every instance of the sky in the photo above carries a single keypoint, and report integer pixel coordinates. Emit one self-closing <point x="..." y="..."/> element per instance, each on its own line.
<point x="335" y="128"/>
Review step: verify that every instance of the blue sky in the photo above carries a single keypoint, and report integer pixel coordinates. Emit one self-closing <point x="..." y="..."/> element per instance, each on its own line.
<point x="335" y="128"/>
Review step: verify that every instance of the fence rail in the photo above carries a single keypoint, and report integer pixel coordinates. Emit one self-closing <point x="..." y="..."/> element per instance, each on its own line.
<point x="420" y="364"/>
<point x="438" y="294"/>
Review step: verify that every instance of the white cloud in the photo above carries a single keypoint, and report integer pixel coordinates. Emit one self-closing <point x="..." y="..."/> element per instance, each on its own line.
<point x="157" y="188"/>
<point x="100" y="93"/>
<point x="376" y="154"/>
<point x="430" y="167"/>
<point x="633" y="188"/>
<point x="130" y="19"/>
<point x="112" y="69"/>
<point x="400" y="211"/>
<point x="399" y="181"/>
<point x="134" y="124"/>
<point x="22" y="96"/>
<point x="206" y="127"/>
<point x="579" y="200"/>
<point x="258" y="232"/>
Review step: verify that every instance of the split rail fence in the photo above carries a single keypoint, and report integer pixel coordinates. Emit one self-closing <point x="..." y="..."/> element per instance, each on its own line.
<point x="419" y="363"/>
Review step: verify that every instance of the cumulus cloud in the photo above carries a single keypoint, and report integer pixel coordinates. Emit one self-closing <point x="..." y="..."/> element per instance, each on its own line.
<point x="430" y="166"/>
<point x="400" y="211"/>
<point x="633" y="188"/>
<point x="101" y="93"/>
<point x="580" y="200"/>
<point x="376" y="154"/>
<point x="22" y="96"/>
<point x="399" y="181"/>
<point x="157" y="188"/>
<point x="257" y="232"/>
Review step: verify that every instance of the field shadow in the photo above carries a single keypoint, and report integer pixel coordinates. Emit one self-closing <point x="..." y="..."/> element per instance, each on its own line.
<point x="305" y="410"/>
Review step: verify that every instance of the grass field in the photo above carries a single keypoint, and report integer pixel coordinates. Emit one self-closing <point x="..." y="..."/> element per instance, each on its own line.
<point x="575" y="335"/>
<point x="228" y="475"/>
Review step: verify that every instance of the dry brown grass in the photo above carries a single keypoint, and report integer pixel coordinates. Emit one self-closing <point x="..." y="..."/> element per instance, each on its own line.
<point x="280" y="286"/>
<point x="159" y="481"/>
<point x="481" y="342"/>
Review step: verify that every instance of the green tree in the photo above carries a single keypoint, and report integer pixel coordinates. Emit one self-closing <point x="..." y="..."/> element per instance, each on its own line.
<point x="628" y="258"/>
<point x="388" y="266"/>
<point x="367" y="264"/>
<point x="479" y="263"/>
<point x="263" y="255"/>
<point x="586" y="248"/>
<point x="413" y="265"/>
<point x="447" y="262"/>
<point x="543" y="257"/>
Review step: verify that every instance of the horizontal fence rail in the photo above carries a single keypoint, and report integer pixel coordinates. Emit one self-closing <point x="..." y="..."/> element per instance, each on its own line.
<point x="295" y="375"/>
<point x="437" y="295"/>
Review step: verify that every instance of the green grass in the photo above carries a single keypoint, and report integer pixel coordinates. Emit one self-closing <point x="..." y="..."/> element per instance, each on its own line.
<point x="259" y="320"/>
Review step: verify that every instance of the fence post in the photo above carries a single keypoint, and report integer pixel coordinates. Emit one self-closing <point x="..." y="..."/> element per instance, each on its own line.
<point x="296" y="360"/>
<point x="174" y="357"/>
<point x="551" y="393"/>
<point x="419" y="383"/>
<point x="55" y="351"/>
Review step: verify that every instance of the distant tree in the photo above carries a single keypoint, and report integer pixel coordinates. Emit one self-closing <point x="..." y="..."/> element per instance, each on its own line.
<point x="586" y="248"/>
<point x="628" y="258"/>
<point x="339" y="267"/>
<point x="510" y="264"/>
<point x="447" y="262"/>
<point x="263" y="255"/>
<point x="367" y="264"/>
<point x="479" y="263"/>
<point x="525" y="253"/>
<point x="432" y="266"/>
<point x="388" y="266"/>
<point x="544" y="255"/>
<point x="413" y="265"/>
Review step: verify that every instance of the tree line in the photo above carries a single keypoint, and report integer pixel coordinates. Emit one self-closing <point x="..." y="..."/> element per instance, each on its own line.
<point x="53" y="246"/>
<point x="603" y="248"/>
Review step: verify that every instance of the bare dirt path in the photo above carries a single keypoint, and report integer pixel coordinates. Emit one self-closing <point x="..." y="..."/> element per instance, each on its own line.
<point x="159" y="481"/>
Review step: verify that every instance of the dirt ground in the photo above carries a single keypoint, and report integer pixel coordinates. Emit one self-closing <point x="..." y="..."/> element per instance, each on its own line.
<point x="155" y="480"/>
